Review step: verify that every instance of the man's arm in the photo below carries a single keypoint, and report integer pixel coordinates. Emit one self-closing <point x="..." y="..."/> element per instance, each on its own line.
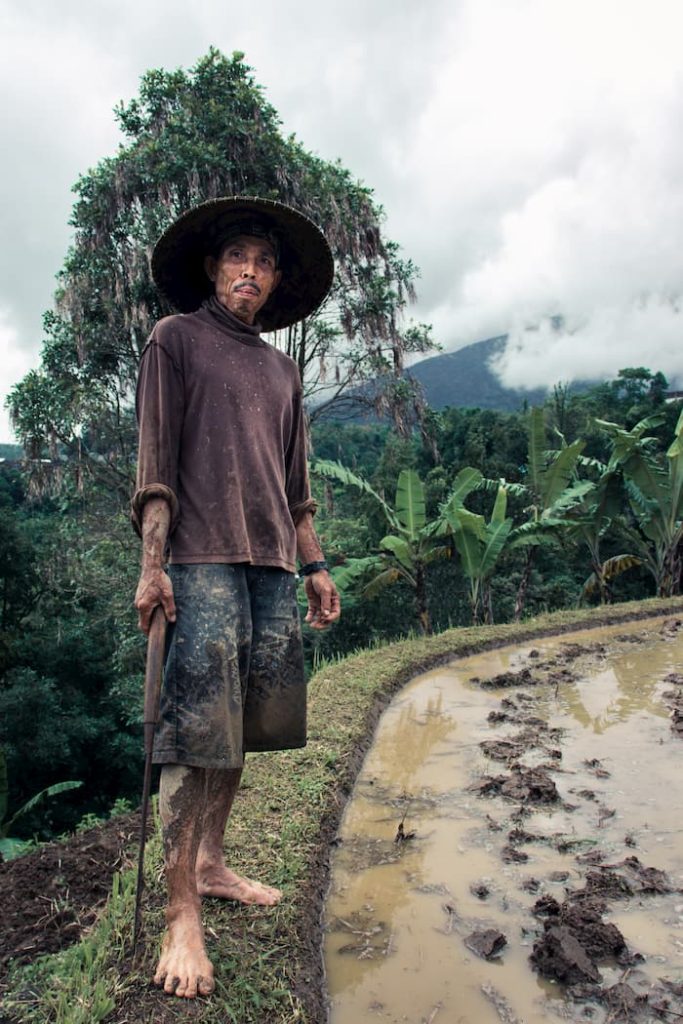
<point x="324" y="606"/>
<point x="155" y="587"/>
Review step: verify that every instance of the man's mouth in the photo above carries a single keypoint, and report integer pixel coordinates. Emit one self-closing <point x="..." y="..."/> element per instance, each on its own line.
<point x="253" y="288"/>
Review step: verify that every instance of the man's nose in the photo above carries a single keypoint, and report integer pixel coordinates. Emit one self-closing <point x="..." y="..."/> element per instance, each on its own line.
<point x="249" y="268"/>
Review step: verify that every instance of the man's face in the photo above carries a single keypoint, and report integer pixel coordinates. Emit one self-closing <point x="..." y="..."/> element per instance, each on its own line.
<point x="244" y="275"/>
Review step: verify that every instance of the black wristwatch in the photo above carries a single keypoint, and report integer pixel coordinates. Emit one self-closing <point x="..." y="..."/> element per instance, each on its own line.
<point x="312" y="567"/>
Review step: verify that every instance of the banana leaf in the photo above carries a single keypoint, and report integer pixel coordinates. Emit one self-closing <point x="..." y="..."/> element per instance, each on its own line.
<point x="496" y="535"/>
<point x="410" y="502"/>
<point x="335" y="471"/>
<point x="384" y="579"/>
<point x="400" y="548"/>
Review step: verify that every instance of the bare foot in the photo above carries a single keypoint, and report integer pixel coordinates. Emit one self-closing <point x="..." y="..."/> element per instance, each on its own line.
<point x="218" y="880"/>
<point x="184" y="968"/>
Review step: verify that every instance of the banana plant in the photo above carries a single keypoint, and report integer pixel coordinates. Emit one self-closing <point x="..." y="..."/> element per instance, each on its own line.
<point x="480" y="545"/>
<point x="599" y="512"/>
<point x="553" y="487"/>
<point x="654" y="487"/>
<point x="406" y="550"/>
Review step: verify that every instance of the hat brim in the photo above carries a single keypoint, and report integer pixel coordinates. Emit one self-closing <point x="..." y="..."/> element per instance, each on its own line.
<point x="305" y="258"/>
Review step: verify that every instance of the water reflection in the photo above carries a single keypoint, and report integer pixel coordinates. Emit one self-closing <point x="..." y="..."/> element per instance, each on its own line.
<point x="416" y="731"/>
<point x="401" y="913"/>
<point x="630" y="685"/>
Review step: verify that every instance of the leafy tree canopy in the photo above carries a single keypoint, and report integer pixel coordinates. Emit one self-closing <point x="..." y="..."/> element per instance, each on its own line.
<point x="191" y="136"/>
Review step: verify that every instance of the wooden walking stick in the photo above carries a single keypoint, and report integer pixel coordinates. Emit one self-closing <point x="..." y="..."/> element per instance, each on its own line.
<point x="155" y="662"/>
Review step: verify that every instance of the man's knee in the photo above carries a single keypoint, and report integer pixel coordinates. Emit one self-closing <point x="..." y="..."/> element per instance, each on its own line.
<point x="179" y="790"/>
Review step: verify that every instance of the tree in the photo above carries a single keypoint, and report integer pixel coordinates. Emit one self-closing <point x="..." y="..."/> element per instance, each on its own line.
<point x="191" y="136"/>
<point x="406" y="551"/>
<point x="552" y="487"/>
<point x="480" y="545"/>
<point x="655" y="492"/>
<point x="599" y="512"/>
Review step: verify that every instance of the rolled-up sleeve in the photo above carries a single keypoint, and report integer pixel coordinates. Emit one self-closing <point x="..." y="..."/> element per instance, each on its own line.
<point x="159" y="407"/>
<point x="297" y="484"/>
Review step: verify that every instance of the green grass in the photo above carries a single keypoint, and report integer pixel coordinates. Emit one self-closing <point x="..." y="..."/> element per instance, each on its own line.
<point x="267" y="960"/>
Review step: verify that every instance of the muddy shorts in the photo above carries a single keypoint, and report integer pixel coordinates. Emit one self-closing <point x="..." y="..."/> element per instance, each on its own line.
<point x="234" y="674"/>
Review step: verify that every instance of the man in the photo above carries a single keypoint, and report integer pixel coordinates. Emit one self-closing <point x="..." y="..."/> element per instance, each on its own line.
<point x="222" y="483"/>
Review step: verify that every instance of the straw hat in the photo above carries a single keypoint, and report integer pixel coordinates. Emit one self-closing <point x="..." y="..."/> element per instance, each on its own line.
<point x="303" y="255"/>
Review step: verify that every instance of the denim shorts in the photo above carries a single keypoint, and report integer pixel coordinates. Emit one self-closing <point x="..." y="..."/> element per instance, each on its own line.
<point x="234" y="673"/>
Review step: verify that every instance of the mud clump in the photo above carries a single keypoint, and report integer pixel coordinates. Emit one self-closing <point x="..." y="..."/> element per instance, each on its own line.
<point x="560" y="956"/>
<point x="590" y="857"/>
<point x="512" y="855"/>
<point x="621" y="881"/>
<point x="645" y="880"/>
<point x="623" y="1001"/>
<point x="530" y="785"/>
<point x="499" y="717"/>
<point x="595" y="766"/>
<point x="488" y="786"/>
<point x="487" y="943"/>
<point x="526" y="785"/>
<point x="505" y="680"/>
<point x="575" y="939"/>
<point x="608" y="884"/>
<point x="502" y="750"/>
<point x="674" y="701"/>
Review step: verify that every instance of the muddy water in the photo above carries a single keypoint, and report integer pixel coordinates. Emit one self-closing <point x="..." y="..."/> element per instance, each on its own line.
<point x="398" y="913"/>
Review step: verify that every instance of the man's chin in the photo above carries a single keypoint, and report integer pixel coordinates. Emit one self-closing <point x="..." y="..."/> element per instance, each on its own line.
<point x="243" y="310"/>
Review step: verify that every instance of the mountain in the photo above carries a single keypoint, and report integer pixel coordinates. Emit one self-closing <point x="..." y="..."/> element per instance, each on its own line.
<point x="463" y="378"/>
<point x="11" y="452"/>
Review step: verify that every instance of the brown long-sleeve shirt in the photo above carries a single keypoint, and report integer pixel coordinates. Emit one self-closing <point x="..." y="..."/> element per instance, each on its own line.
<point x="222" y="438"/>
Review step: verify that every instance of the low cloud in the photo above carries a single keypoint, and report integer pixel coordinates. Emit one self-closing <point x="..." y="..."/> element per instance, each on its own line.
<point x="528" y="155"/>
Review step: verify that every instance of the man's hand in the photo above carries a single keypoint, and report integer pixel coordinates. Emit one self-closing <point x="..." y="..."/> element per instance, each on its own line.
<point x="324" y="606"/>
<point x="154" y="588"/>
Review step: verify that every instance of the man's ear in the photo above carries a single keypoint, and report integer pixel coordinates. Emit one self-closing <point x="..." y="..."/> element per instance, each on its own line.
<point x="276" y="279"/>
<point x="210" y="267"/>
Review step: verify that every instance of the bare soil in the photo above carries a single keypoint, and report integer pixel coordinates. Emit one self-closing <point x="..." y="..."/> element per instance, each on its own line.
<point x="51" y="896"/>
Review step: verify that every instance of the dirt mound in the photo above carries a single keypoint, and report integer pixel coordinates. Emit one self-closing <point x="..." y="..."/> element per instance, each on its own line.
<point x="50" y="896"/>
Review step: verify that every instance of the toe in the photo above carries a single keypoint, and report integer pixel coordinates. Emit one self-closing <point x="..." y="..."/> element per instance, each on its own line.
<point x="206" y="986"/>
<point x="171" y="984"/>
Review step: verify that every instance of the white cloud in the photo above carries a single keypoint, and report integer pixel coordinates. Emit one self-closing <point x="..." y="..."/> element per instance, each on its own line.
<point x="528" y="154"/>
<point x="606" y="341"/>
<point x="15" y="364"/>
<point x="565" y="190"/>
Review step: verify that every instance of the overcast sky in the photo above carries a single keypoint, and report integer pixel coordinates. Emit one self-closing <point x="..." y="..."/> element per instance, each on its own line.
<point x="528" y="153"/>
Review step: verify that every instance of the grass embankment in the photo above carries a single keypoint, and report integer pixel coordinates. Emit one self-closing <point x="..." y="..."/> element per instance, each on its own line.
<point x="268" y="962"/>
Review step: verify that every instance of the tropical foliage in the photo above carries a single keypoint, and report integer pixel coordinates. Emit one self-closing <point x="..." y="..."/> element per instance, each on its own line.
<point x="480" y="545"/>
<point x="552" y="487"/>
<point x="654" y="486"/>
<point x="405" y="552"/>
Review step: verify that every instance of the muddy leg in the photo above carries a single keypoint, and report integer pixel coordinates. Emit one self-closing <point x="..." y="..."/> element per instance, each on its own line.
<point x="184" y="968"/>
<point x="213" y="877"/>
